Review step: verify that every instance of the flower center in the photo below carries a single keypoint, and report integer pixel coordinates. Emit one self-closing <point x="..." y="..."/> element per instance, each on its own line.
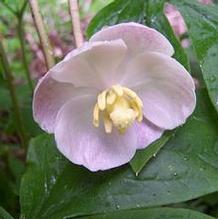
<point x="119" y="107"/>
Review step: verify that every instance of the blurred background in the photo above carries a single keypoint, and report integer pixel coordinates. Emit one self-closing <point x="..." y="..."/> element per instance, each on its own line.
<point x="24" y="53"/>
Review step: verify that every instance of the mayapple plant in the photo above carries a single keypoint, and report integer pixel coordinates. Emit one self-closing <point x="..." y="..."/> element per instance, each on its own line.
<point x="130" y="114"/>
<point x="115" y="94"/>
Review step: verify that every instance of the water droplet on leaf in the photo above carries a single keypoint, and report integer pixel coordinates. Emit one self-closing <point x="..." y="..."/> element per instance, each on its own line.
<point x="185" y="158"/>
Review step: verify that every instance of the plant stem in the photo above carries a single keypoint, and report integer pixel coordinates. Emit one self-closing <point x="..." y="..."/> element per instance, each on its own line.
<point x="23" y="7"/>
<point x="21" y="34"/>
<point x="19" y="15"/>
<point x="46" y="47"/>
<point x="11" y="87"/>
<point x="74" y="11"/>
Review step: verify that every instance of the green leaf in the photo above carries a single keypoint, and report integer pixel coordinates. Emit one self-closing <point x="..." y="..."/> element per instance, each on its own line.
<point x="184" y="169"/>
<point x="143" y="156"/>
<point x="202" y="22"/>
<point x="148" y="12"/>
<point x="153" y="213"/>
<point x="13" y="6"/>
<point x="4" y="214"/>
<point x="211" y="199"/>
<point x="7" y="196"/>
<point x="16" y="168"/>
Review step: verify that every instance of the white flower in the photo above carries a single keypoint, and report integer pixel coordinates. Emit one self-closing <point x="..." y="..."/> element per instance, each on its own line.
<point x="116" y="94"/>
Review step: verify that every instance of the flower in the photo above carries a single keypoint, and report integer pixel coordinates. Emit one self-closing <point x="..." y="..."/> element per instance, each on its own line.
<point x="114" y="95"/>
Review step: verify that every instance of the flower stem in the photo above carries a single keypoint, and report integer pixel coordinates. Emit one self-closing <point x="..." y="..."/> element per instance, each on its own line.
<point x="74" y="11"/>
<point x="21" y="33"/>
<point x="11" y="87"/>
<point x="46" y="47"/>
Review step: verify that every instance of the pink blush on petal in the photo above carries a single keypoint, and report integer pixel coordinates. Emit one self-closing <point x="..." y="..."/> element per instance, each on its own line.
<point x="146" y="133"/>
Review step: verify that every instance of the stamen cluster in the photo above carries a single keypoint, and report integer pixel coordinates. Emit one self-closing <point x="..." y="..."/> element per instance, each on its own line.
<point x="119" y="107"/>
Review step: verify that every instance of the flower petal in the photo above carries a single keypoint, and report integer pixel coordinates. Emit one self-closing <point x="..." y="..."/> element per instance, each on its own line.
<point x="93" y="65"/>
<point x="49" y="97"/>
<point x="165" y="87"/>
<point x="138" y="38"/>
<point x="146" y="133"/>
<point x="86" y="145"/>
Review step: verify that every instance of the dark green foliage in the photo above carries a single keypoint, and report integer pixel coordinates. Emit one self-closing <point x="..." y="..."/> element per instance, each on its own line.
<point x="153" y="213"/>
<point x="202" y="22"/>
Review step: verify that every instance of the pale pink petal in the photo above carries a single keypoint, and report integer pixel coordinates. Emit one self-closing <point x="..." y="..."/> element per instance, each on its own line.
<point x="86" y="145"/>
<point x="165" y="87"/>
<point x="93" y="65"/>
<point x="138" y="38"/>
<point x="49" y="97"/>
<point x="146" y="133"/>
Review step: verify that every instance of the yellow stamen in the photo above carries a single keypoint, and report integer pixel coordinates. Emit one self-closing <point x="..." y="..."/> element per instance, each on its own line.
<point x="118" y="89"/>
<point x="137" y="109"/>
<point x="102" y="100"/>
<point x="120" y="107"/>
<point x="96" y="116"/>
<point x="133" y="95"/>
<point x="111" y="97"/>
<point x="107" y="124"/>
